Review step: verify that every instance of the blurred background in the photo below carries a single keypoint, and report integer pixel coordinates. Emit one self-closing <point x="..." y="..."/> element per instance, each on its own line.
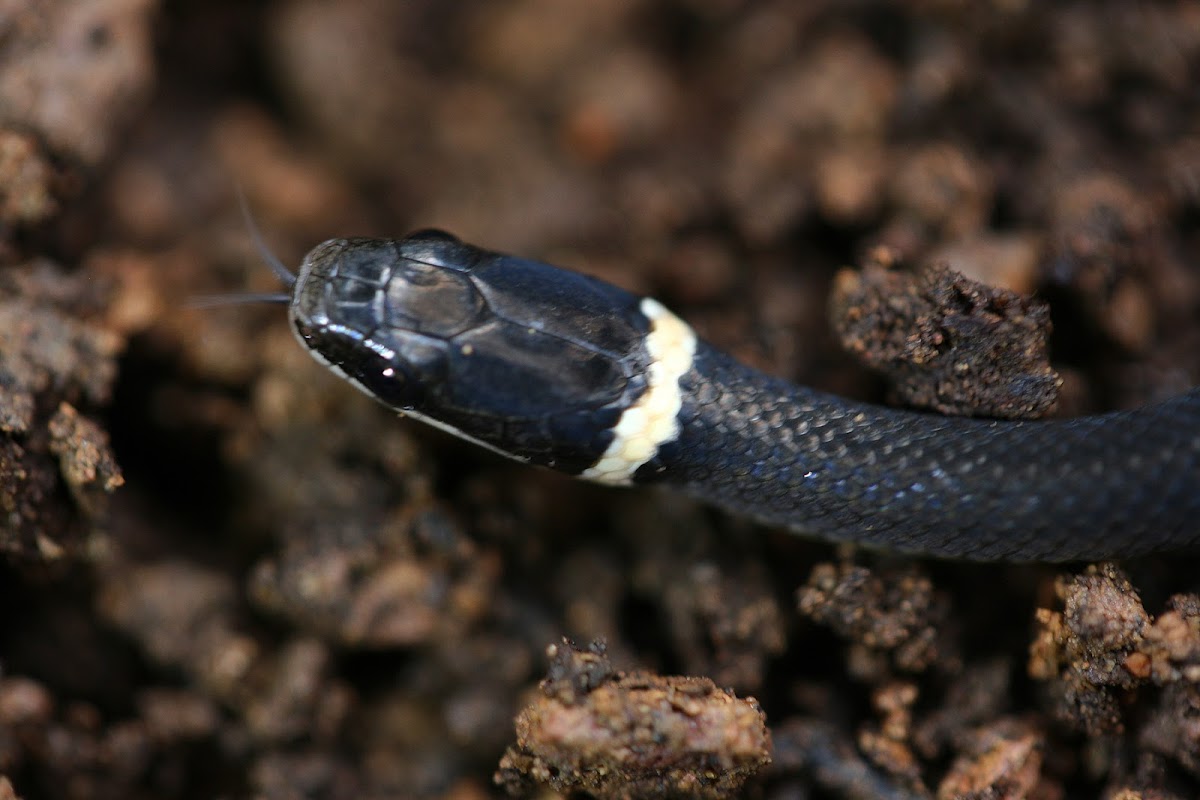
<point x="229" y="574"/>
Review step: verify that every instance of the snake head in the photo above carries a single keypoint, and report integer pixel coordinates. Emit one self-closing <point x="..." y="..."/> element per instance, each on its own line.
<point x="530" y="360"/>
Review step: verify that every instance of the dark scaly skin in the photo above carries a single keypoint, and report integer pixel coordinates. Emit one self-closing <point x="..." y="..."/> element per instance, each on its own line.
<point x="1096" y="487"/>
<point x="1105" y="486"/>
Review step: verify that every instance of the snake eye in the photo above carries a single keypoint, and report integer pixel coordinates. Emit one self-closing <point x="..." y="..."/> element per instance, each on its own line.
<point x="406" y="377"/>
<point x="393" y="385"/>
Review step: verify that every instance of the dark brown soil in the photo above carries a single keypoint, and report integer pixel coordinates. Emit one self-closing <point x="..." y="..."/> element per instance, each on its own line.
<point x="226" y="573"/>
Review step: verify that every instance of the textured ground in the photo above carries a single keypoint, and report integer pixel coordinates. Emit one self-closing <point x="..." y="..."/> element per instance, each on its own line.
<point x="226" y="574"/>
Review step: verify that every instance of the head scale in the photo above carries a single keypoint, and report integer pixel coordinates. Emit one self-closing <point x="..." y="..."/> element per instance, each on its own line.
<point x="527" y="359"/>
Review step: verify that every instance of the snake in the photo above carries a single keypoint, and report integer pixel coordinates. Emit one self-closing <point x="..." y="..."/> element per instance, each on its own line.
<point x="562" y="370"/>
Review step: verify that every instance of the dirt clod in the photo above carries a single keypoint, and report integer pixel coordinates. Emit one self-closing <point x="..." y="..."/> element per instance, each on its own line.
<point x="75" y="72"/>
<point x="633" y="734"/>
<point x="947" y="343"/>
<point x="1104" y="641"/>
<point x="894" y="612"/>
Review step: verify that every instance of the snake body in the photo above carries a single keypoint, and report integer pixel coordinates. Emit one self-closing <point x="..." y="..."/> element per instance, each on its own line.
<point x="554" y="368"/>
